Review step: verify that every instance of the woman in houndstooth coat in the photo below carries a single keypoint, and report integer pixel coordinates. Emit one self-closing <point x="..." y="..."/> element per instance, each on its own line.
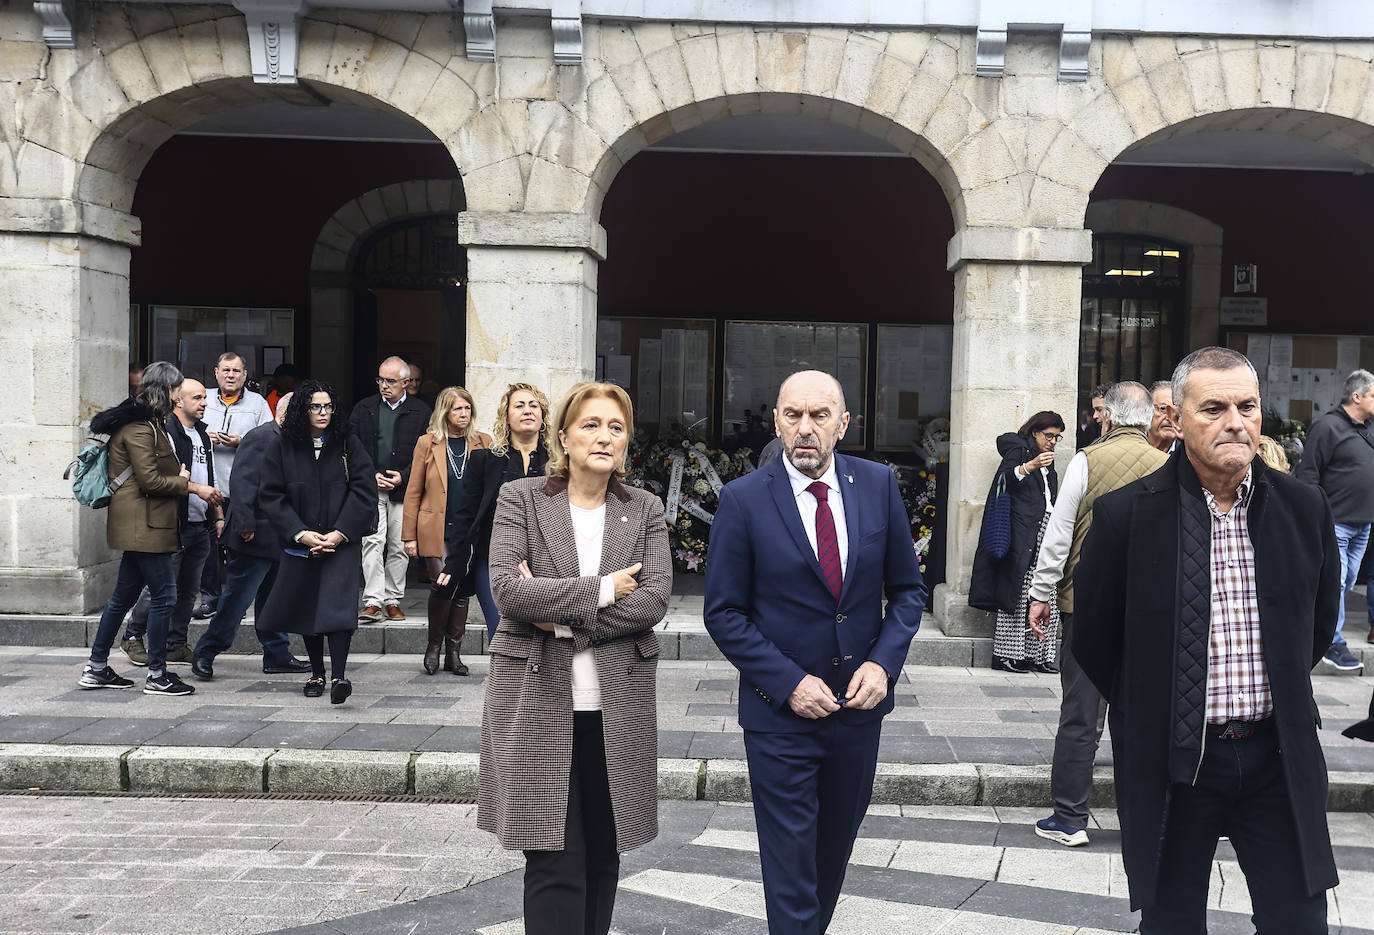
<point x="581" y="572"/>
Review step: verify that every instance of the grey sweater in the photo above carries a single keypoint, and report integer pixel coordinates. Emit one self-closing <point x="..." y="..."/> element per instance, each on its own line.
<point x="1339" y="458"/>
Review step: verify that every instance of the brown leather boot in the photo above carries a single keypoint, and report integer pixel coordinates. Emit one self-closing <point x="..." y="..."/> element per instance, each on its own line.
<point x="457" y="623"/>
<point x="438" y="620"/>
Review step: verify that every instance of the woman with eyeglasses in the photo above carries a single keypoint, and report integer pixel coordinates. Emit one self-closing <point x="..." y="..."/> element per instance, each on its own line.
<point x="437" y="475"/>
<point x="1027" y="476"/>
<point x="522" y="437"/>
<point x="319" y="493"/>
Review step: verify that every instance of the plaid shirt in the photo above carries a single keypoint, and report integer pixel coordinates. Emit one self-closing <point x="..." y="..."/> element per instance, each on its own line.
<point x="1237" y="679"/>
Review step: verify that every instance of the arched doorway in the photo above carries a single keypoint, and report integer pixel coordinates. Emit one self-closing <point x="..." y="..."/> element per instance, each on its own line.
<point x="408" y="283"/>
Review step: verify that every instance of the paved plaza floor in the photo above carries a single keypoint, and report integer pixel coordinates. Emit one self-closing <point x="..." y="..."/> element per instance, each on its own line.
<point x="944" y="714"/>
<point x="227" y="867"/>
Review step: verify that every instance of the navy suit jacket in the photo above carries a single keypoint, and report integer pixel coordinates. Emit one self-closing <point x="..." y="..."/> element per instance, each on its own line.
<point x="772" y="615"/>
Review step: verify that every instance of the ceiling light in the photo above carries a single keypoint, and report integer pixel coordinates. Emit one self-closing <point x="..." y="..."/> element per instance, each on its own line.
<point x="1169" y="253"/>
<point x="1130" y="272"/>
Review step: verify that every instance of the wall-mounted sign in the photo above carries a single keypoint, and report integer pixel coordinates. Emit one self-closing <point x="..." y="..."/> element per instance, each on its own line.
<point x="1245" y="311"/>
<point x="1247" y="278"/>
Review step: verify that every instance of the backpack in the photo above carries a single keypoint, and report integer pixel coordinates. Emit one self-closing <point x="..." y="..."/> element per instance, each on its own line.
<point x="93" y="486"/>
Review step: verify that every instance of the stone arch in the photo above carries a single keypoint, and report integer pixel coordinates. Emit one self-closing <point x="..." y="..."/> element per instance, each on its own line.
<point x="336" y="251"/>
<point x="176" y="66"/>
<point x="643" y="82"/>
<point x="1203" y="238"/>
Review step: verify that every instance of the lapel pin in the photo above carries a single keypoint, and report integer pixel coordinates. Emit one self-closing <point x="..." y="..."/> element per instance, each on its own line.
<point x="849" y="477"/>
<point x="624" y="519"/>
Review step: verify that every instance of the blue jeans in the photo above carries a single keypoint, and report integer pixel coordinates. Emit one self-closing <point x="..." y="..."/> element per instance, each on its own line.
<point x="137" y="570"/>
<point x="486" y="600"/>
<point x="249" y="577"/>
<point x="1352" y="541"/>
<point x="186" y="567"/>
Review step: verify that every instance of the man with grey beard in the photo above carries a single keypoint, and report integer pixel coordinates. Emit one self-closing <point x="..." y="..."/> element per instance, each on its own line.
<point x="802" y="553"/>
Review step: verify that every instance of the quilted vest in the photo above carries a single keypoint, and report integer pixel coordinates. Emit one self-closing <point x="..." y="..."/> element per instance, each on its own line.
<point x="1119" y="457"/>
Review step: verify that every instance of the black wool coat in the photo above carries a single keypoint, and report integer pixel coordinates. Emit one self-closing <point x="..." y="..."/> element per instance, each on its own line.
<point x="318" y="594"/>
<point x="245" y="513"/>
<point x="412" y="421"/>
<point x="468" y="538"/>
<point x="996" y="583"/>
<point x="1126" y="593"/>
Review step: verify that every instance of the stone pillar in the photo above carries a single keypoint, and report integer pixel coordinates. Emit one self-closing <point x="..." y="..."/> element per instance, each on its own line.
<point x="1016" y="321"/>
<point x="531" y="302"/>
<point x="64" y="338"/>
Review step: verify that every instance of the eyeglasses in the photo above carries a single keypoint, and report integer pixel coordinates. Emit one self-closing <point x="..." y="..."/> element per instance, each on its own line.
<point x="320" y="407"/>
<point x="1051" y="437"/>
<point x="388" y="381"/>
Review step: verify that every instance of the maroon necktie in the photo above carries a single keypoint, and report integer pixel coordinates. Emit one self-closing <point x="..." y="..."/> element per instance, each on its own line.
<point x="827" y="546"/>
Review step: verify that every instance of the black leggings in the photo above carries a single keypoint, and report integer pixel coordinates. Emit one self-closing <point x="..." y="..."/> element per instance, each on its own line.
<point x="339" y="642"/>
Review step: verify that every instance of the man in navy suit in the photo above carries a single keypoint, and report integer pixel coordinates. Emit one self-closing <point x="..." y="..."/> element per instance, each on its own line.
<point x="802" y="552"/>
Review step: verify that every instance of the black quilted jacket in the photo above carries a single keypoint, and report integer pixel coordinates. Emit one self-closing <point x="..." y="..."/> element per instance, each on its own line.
<point x="1143" y="592"/>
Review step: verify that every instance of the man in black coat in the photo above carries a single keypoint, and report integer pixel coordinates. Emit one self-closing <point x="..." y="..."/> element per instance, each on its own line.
<point x="254" y="552"/>
<point x="388" y="424"/>
<point x="1211" y="586"/>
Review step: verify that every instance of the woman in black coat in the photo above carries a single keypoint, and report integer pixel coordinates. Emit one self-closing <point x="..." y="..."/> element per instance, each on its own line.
<point x="521" y="438"/>
<point x="1003" y="584"/>
<point x="319" y="494"/>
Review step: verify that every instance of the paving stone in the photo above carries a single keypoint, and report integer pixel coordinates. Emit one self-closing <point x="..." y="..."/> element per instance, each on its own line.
<point x="117" y="730"/>
<point x="728" y="780"/>
<point x="76" y="767"/>
<point x="221" y="712"/>
<point x="31" y="728"/>
<point x="207" y="733"/>
<point x="197" y="769"/>
<point x="679" y="778"/>
<point x="413" y="701"/>
<point x="307" y="735"/>
<point x="446" y="774"/>
<point x="384" y="737"/>
<point x="926" y="784"/>
<point x="712" y="745"/>
<point x="674" y="744"/>
<point x="453" y="739"/>
<point x="359" y="771"/>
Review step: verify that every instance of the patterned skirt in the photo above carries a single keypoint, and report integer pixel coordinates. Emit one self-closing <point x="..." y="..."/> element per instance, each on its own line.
<point x="1014" y="638"/>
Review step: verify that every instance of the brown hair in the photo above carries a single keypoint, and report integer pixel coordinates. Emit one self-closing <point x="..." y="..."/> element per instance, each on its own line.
<point x="572" y="404"/>
<point x="500" y="428"/>
<point x="438" y="420"/>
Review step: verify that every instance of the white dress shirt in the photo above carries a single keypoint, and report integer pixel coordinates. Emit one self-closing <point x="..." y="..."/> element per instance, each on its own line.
<point x="806" y="506"/>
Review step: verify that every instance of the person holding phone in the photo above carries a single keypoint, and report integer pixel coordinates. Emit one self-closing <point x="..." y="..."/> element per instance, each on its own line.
<point x="581" y="571"/>
<point x="1003" y="584"/>
<point x="388" y="424"/>
<point x="319" y="493"/>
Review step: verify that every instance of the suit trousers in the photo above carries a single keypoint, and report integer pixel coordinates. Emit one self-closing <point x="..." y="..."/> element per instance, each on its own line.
<point x="1081" y="717"/>
<point x="810" y="792"/>
<point x="1240" y="792"/>
<point x="572" y="891"/>
<point x="384" y="557"/>
<point x="249" y="581"/>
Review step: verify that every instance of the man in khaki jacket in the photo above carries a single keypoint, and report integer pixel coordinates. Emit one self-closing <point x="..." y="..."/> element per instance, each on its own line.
<point x="1122" y="455"/>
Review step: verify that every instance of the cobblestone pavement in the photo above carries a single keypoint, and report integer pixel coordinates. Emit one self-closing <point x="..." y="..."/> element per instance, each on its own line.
<point x="944" y="714"/>
<point x="224" y="867"/>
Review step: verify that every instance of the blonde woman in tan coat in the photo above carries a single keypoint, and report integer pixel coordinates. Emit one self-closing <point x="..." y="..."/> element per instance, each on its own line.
<point x="581" y="573"/>
<point x="437" y="474"/>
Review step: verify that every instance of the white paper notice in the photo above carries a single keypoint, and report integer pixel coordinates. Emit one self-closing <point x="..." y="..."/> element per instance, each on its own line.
<point x="1257" y="349"/>
<point x="618" y="370"/>
<point x="1347" y="355"/>
<point x="1281" y="351"/>
<point x="608" y="337"/>
<point x="650" y="365"/>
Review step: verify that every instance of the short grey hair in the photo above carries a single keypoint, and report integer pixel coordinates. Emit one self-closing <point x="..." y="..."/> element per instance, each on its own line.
<point x="1129" y="405"/>
<point x="1208" y="358"/>
<point x="405" y="367"/>
<point x="1158" y="385"/>
<point x="1361" y="381"/>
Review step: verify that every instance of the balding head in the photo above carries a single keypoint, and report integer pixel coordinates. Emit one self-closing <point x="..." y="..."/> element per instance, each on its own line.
<point x="810" y="418"/>
<point x="190" y="407"/>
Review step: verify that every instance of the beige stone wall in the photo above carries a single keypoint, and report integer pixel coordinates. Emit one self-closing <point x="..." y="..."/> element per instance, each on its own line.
<point x="538" y="146"/>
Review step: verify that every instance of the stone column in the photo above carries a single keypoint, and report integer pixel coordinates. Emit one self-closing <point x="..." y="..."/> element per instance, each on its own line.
<point x="1016" y="321"/>
<point x="531" y="302"/>
<point x="64" y="338"/>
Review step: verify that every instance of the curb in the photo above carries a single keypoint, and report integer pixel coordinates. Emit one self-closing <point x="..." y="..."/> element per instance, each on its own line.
<point x="164" y="769"/>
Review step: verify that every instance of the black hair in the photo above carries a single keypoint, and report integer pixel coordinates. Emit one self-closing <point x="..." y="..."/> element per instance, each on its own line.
<point x="1044" y="419"/>
<point x="155" y="388"/>
<point x="295" y="426"/>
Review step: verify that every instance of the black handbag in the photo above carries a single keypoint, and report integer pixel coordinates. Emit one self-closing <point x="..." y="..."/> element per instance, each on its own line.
<point x="996" y="537"/>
